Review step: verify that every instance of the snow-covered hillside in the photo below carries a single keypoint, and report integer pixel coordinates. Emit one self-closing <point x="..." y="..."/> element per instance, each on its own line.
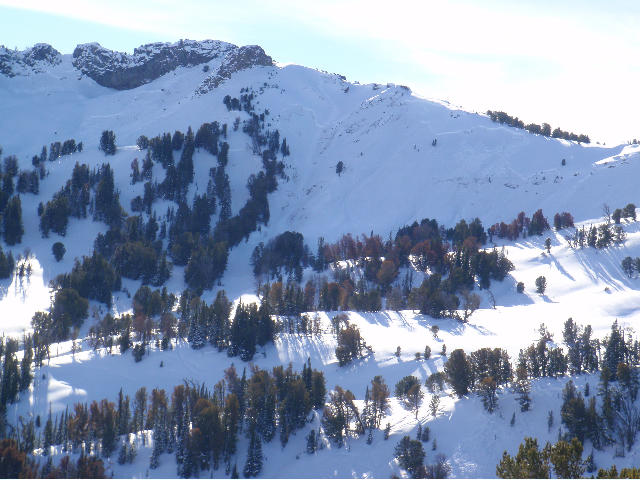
<point x="394" y="174"/>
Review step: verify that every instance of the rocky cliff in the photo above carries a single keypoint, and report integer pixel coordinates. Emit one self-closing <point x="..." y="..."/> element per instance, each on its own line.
<point x="35" y="59"/>
<point x="122" y="71"/>
<point x="236" y="60"/>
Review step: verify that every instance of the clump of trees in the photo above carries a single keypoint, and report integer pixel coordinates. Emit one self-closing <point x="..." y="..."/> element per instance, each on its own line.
<point x="370" y="266"/>
<point x="564" y="458"/>
<point x="199" y="426"/>
<point x="602" y="236"/>
<point x="544" y="129"/>
<point x="523" y="225"/>
<point x="57" y="150"/>
<point x="287" y="251"/>
<point x="108" y="142"/>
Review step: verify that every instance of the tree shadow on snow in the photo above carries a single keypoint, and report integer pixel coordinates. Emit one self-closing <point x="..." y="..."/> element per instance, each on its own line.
<point x="560" y="268"/>
<point x="297" y="349"/>
<point x="597" y="269"/>
<point x="4" y="287"/>
<point x="378" y="318"/>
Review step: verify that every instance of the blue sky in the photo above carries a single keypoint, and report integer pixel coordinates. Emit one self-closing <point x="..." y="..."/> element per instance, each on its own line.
<point x="573" y="64"/>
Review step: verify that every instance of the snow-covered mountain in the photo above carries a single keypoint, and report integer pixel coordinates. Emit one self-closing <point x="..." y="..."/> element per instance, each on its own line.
<point x="405" y="157"/>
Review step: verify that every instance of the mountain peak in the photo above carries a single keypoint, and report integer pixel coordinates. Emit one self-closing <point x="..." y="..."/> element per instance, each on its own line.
<point x="236" y="60"/>
<point x="21" y="62"/>
<point x="123" y="71"/>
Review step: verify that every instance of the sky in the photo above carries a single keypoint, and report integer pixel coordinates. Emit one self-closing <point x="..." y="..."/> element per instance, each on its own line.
<point x="572" y="64"/>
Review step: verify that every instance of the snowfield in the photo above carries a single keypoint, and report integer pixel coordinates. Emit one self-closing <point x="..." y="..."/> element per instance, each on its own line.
<point x="392" y="177"/>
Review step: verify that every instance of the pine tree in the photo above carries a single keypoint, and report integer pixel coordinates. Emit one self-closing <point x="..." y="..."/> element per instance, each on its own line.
<point x="512" y="422"/>
<point x="615" y="350"/>
<point x="523" y="388"/>
<point x="311" y="441"/>
<point x="48" y="435"/>
<point x="154" y="460"/>
<point x="26" y="377"/>
<point x="458" y="372"/>
<point x="590" y="463"/>
<point x="487" y="391"/>
<point x="109" y="436"/>
<point x="573" y="411"/>
<point x="122" y="455"/>
<point x="387" y="431"/>
<point x="254" y="456"/>
<point x="108" y="142"/>
<point x="12" y="221"/>
<point x="132" y="453"/>
<point x="529" y="462"/>
<point x="410" y="454"/>
<point x="550" y="421"/>
<point x="434" y="405"/>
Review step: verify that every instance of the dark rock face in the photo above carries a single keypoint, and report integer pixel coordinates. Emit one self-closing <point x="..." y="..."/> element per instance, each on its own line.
<point x="40" y="56"/>
<point x="236" y="60"/>
<point x="122" y="71"/>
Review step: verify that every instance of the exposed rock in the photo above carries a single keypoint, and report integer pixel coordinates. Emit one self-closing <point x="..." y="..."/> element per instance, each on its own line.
<point x="34" y="59"/>
<point x="236" y="60"/>
<point x="122" y="71"/>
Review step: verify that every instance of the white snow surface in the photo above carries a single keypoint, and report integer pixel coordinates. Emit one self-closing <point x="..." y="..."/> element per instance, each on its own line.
<point x="393" y="176"/>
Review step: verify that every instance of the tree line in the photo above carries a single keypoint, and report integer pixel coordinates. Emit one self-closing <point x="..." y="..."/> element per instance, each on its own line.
<point x="544" y="129"/>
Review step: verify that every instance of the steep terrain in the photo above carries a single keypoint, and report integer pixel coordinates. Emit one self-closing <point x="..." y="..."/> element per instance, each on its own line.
<point x="394" y="174"/>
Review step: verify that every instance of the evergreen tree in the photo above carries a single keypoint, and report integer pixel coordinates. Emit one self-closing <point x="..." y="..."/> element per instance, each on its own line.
<point x="523" y="388"/>
<point x="573" y="411"/>
<point x="311" y="441"/>
<point x="108" y="142"/>
<point x="254" y="456"/>
<point x="410" y="455"/>
<point x="109" y="433"/>
<point x="529" y="462"/>
<point x="566" y="459"/>
<point x="58" y="249"/>
<point x="154" y="460"/>
<point x="48" y="436"/>
<point x="122" y="455"/>
<point x="458" y="372"/>
<point x="434" y="405"/>
<point x="12" y="222"/>
<point x="26" y="377"/>
<point x="590" y="464"/>
<point x="487" y="392"/>
<point x="615" y="350"/>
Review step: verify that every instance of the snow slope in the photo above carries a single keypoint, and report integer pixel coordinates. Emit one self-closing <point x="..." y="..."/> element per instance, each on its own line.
<point x="393" y="176"/>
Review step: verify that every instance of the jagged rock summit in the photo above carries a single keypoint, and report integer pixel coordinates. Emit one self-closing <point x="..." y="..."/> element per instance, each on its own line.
<point x="122" y="71"/>
<point x="236" y="60"/>
<point x="36" y="58"/>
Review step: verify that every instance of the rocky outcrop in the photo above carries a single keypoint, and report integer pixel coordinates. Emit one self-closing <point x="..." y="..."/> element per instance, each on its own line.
<point x="35" y="59"/>
<point x="123" y="71"/>
<point x="236" y="60"/>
